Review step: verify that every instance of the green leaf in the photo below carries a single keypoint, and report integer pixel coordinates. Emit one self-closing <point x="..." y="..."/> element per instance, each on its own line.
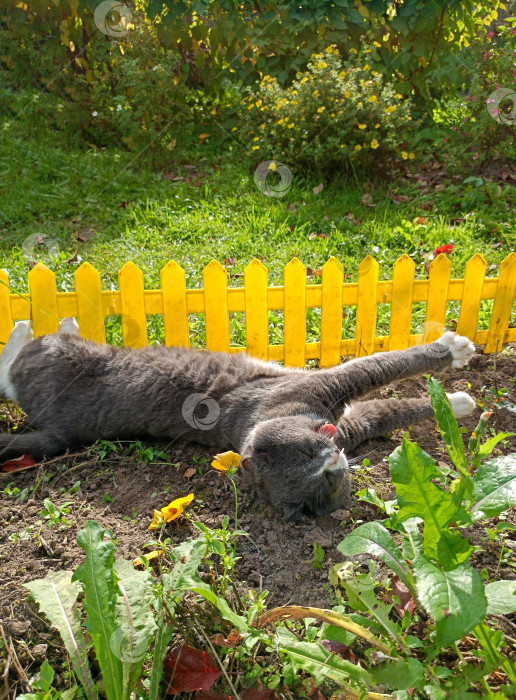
<point x="501" y="597"/>
<point x="494" y="487"/>
<point x="400" y="674"/>
<point x="448" y="426"/>
<point x="488" y="446"/>
<point x="412" y="471"/>
<point x="100" y="595"/>
<point x="316" y="660"/>
<point x="56" y="596"/>
<point x="187" y="557"/>
<point x="135" y="619"/>
<point x="161" y="642"/>
<point x="455" y="599"/>
<point x="374" y="538"/>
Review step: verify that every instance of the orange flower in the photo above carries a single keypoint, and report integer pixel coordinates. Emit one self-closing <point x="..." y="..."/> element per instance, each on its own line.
<point x="170" y="512"/>
<point x="226" y="461"/>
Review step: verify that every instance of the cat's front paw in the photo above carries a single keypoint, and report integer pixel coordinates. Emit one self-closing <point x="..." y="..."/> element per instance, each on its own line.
<point x="462" y="404"/>
<point x="461" y="348"/>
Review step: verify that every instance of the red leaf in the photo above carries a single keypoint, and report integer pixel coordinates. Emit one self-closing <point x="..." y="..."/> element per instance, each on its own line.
<point x="187" y="669"/>
<point x="407" y="602"/>
<point x="19" y="463"/>
<point x="229" y="262"/>
<point x="318" y="273"/>
<point x="340" y="649"/>
<point x="315" y="693"/>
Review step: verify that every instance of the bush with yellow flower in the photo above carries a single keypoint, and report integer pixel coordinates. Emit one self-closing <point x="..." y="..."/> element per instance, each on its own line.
<point x="338" y="114"/>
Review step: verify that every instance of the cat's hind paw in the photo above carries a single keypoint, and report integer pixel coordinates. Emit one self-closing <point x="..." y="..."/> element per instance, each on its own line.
<point x="461" y="348"/>
<point x="462" y="404"/>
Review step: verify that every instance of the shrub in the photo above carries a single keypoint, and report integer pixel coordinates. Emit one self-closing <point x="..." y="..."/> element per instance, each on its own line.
<point x="338" y="114"/>
<point x="481" y="117"/>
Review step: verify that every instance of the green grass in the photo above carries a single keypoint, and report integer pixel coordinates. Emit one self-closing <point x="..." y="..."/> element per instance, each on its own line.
<point x="61" y="192"/>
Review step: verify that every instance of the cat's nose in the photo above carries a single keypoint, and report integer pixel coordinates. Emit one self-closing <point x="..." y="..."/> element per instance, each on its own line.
<point x="334" y="455"/>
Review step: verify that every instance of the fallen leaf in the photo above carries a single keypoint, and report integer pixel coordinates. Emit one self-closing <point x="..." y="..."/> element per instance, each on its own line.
<point x="229" y="262"/>
<point x="421" y="220"/>
<point x="233" y="639"/>
<point x="314" y="692"/>
<point x="318" y="189"/>
<point x="19" y="463"/>
<point x="340" y="649"/>
<point x="399" y="590"/>
<point x="318" y="273"/>
<point x="188" y="669"/>
<point x="367" y="199"/>
<point x="203" y="137"/>
<point x="86" y="234"/>
<point x="171" y="177"/>
<point x="189" y="473"/>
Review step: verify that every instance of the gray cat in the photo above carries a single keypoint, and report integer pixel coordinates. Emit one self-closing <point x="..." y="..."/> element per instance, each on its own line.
<point x="292" y="427"/>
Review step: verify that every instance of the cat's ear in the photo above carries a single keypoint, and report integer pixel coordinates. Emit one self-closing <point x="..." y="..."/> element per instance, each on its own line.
<point x="245" y="464"/>
<point x="327" y="429"/>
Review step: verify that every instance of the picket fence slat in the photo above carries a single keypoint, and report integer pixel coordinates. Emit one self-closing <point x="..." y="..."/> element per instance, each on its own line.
<point x="474" y="277"/>
<point x="503" y="302"/>
<point x="331" y="312"/>
<point x="89" y="303"/>
<point x="403" y="274"/>
<point x="366" y="306"/>
<point x="175" y="303"/>
<point x="216" y="306"/>
<point x="134" y="317"/>
<point x="175" y="314"/>
<point x="43" y="293"/>
<point x="256" y="311"/>
<point x="438" y="281"/>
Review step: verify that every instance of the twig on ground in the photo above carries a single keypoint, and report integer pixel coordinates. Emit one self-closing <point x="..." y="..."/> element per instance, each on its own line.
<point x="13" y="658"/>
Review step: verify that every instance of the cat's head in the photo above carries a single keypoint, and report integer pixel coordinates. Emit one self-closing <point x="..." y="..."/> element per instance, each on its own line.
<point x="293" y="463"/>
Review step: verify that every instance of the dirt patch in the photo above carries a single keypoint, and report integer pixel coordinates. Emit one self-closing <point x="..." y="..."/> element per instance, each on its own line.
<point x="120" y="490"/>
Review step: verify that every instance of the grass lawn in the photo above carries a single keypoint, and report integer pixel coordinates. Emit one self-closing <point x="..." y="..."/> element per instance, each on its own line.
<point x="108" y="207"/>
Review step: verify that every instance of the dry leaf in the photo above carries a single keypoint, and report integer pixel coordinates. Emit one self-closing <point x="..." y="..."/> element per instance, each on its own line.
<point x="318" y="189"/>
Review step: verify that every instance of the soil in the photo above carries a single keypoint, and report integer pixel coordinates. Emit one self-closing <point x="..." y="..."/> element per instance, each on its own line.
<point x="121" y="490"/>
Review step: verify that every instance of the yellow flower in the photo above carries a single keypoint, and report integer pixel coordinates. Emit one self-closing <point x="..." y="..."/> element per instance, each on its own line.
<point x="411" y="156"/>
<point x="404" y="155"/>
<point x="353" y="51"/>
<point x="226" y="461"/>
<point x="376" y="43"/>
<point x="255" y="148"/>
<point x="342" y="74"/>
<point x="322" y="65"/>
<point x="290" y="126"/>
<point x="347" y="94"/>
<point x="321" y="109"/>
<point x="367" y="66"/>
<point x="390" y="110"/>
<point x="329" y="49"/>
<point x="358" y="147"/>
<point x="250" y="106"/>
<point x="272" y="165"/>
<point x="376" y="126"/>
<point x="280" y="121"/>
<point x="234" y="128"/>
<point x="373" y="98"/>
<point x="170" y="512"/>
<point x="256" y="138"/>
<point x="361" y="126"/>
<point x="332" y="114"/>
<point x="303" y="80"/>
<point x="258" y="103"/>
<point x="148" y="555"/>
<point x="374" y="143"/>
<point x="315" y="93"/>
<point x="262" y="126"/>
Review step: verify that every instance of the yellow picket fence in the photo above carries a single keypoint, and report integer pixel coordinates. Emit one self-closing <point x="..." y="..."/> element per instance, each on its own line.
<point x="90" y="305"/>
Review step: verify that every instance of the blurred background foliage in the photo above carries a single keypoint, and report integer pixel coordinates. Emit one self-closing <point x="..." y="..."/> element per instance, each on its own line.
<point x="154" y="76"/>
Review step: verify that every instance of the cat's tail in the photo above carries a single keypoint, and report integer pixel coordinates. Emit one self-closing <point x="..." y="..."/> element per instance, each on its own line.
<point x="38" y="445"/>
